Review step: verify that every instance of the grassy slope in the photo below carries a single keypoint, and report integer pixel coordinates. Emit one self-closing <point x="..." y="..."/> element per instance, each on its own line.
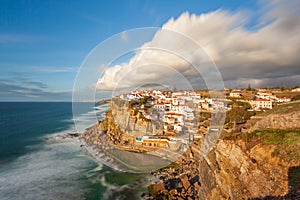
<point x="284" y="108"/>
<point x="287" y="141"/>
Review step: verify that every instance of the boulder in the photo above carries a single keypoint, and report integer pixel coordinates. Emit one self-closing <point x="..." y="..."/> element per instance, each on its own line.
<point x="185" y="181"/>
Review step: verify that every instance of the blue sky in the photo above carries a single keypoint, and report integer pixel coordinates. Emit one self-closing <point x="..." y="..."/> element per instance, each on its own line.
<point x="43" y="43"/>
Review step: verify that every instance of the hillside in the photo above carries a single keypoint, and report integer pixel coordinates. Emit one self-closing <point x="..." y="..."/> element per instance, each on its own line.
<point x="285" y="116"/>
<point x="263" y="162"/>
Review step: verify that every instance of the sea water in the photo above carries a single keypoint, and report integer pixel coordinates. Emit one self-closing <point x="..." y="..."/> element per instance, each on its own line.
<point x="32" y="168"/>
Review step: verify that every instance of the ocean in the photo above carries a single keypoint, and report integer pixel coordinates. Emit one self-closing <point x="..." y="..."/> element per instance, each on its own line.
<point x="33" y="168"/>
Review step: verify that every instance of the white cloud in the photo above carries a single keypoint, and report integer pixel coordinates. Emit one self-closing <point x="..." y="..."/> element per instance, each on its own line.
<point x="271" y="51"/>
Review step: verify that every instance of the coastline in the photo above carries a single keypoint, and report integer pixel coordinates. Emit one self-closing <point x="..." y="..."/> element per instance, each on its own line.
<point x="186" y="177"/>
<point x="101" y="148"/>
<point x="124" y="180"/>
<point x="117" y="182"/>
<point x="98" y="155"/>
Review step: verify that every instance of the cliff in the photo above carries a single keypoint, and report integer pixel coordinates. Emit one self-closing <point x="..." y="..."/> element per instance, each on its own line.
<point x="123" y="124"/>
<point x="260" y="163"/>
<point x="277" y="121"/>
<point x="230" y="171"/>
<point x="130" y="120"/>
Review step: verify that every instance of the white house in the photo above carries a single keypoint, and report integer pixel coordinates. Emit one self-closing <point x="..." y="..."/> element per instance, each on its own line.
<point x="235" y="93"/>
<point x="296" y="89"/>
<point x="178" y="117"/>
<point x="283" y="99"/>
<point x="259" y="104"/>
<point x="177" y="127"/>
<point x="156" y="92"/>
<point x="180" y="107"/>
<point x="189" y="115"/>
<point x="159" y="106"/>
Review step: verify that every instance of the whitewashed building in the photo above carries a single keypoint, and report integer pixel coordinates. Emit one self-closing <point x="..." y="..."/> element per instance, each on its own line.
<point x="235" y="94"/>
<point x="259" y="104"/>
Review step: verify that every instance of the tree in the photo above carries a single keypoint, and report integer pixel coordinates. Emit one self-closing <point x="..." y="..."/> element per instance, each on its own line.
<point x="249" y="87"/>
<point x="174" y="89"/>
<point x="282" y="87"/>
<point x="144" y="99"/>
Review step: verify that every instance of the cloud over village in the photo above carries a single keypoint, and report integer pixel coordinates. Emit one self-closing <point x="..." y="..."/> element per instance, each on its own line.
<point x="262" y="51"/>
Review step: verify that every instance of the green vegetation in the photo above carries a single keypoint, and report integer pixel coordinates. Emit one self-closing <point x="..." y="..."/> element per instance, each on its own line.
<point x="205" y="115"/>
<point x="249" y="87"/>
<point x="287" y="93"/>
<point x="144" y="99"/>
<point x="283" y="108"/>
<point x="104" y="125"/>
<point x="118" y="101"/>
<point x="295" y="98"/>
<point x="112" y="130"/>
<point x="204" y="118"/>
<point x="272" y="136"/>
<point x="287" y="141"/>
<point x="248" y="94"/>
<point x="238" y="114"/>
<point x="133" y="103"/>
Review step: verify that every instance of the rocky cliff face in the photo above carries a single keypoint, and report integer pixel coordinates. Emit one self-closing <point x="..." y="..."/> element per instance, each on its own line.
<point x="130" y="121"/>
<point x="229" y="171"/>
<point x="232" y="172"/>
<point x="242" y="169"/>
<point x="277" y="121"/>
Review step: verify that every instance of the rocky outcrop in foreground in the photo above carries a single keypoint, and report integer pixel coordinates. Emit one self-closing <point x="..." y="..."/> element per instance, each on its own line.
<point x="263" y="163"/>
<point x="230" y="171"/>
<point x="266" y="167"/>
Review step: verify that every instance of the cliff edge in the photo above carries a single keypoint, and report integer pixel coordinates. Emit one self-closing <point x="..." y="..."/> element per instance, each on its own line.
<point x="261" y="162"/>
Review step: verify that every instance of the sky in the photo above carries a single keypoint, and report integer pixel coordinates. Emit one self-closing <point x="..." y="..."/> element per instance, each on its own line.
<point x="44" y="43"/>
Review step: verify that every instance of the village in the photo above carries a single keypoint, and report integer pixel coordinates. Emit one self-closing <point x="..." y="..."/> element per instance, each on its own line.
<point x="177" y="114"/>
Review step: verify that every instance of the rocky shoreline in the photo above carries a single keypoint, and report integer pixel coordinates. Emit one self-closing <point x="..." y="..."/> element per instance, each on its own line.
<point x="60" y="137"/>
<point x="180" y="180"/>
<point x="104" y="101"/>
<point x="230" y="170"/>
<point x="233" y="169"/>
<point x="177" y="179"/>
<point x="97" y="144"/>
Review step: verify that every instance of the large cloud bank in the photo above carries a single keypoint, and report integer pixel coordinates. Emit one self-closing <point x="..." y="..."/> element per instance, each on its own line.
<point x="264" y="54"/>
